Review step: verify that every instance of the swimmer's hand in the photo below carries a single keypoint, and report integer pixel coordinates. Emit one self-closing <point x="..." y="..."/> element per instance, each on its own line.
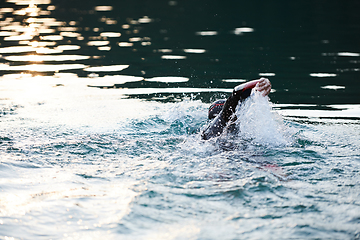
<point x="263" y="86"/>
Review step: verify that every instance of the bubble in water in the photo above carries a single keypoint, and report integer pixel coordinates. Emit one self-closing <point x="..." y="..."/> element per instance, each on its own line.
<point x="258" y="123"/>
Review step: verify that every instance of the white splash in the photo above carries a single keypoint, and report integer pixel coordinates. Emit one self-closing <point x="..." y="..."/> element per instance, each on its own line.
<point x="258" y="123"/>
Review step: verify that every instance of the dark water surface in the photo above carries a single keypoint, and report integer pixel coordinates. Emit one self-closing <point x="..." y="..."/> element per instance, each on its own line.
<point x="101" y="103"/>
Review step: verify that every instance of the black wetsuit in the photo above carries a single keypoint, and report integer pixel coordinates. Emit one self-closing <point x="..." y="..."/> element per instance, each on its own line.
<point x="225" y="114"/>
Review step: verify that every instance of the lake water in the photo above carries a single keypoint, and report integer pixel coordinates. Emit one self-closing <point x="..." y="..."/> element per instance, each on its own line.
<point x="101" y="104"/>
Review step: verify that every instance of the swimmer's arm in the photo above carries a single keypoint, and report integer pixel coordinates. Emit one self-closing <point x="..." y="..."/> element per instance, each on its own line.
<point x="240" y="93"/>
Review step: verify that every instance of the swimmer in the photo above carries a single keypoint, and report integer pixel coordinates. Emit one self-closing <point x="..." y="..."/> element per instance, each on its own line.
<point x="221" y="112"/>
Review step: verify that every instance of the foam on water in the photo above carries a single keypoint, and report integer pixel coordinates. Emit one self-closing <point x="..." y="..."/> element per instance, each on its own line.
<point x="259" y="123"/>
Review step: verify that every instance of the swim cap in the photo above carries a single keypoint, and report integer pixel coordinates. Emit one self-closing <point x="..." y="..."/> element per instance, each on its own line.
<point x="216" y="108"/>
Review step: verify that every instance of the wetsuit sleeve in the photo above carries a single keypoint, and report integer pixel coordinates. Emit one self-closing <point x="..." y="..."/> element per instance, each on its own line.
<point x="214" y="129"/>
<point x="217" y="126"/>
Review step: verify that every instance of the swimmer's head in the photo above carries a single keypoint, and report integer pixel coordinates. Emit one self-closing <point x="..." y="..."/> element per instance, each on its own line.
<point x="216" y="108"/>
